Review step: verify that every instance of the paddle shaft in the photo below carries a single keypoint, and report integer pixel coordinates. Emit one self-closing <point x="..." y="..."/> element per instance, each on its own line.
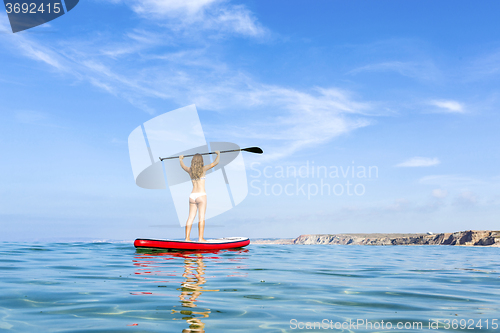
<point x="224" y="151"/>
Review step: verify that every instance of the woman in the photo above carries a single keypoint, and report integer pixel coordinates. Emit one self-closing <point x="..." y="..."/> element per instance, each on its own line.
<point x="198" y="197"/>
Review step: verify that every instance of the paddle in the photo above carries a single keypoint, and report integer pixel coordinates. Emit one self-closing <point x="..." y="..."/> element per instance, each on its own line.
<point x="255" y="150"/>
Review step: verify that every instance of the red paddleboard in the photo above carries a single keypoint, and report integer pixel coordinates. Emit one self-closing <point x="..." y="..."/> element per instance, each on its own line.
<point x="210" y="244"/>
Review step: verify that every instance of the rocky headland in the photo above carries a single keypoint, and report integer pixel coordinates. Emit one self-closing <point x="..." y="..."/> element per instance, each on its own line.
<point x="469" y="237"/>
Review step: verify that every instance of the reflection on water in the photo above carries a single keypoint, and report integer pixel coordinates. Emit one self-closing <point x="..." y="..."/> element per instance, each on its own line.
<point x="191" y="289"/>
<point x="151" y="264"/>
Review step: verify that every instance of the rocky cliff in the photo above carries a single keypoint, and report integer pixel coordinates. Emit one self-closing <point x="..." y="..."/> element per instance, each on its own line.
<point x="469" y="237"/>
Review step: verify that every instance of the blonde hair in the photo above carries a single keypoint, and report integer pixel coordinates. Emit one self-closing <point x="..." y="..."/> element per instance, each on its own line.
<point x="196" y="167"/>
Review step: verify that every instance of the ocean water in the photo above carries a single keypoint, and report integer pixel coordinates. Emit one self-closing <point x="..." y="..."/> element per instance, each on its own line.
<point x="111" y="287"/>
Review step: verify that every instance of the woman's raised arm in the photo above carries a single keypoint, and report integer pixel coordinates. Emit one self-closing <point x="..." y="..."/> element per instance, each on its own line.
<point x="211" y="165"/>
<point x="181" y="158"/>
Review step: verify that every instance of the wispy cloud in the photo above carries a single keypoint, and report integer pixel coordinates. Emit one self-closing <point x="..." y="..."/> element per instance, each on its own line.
<point x="36" y="51"/>
<point x="215" y="15"/>
<point x="173" y="7"/>
<point x="306" y="118"/>
<point x="448" y="106"/>
<point x="413" y="69"/>
<point x="289" y="119"/>
<point x="411" y="58"/>
<point x="133" y="42"/>
<point x="419" y="162"/>
<point x="29" y="47"/>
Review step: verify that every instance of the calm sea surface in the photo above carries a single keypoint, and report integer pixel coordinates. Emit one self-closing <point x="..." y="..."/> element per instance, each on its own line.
<point x="111" y="287"/>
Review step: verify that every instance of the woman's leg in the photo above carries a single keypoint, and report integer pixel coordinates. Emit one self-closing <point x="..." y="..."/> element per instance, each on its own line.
<point x="192" y="214"/>
<point x="202" y="208"/>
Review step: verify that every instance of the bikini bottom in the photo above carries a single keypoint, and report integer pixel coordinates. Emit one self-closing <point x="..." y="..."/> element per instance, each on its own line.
<point x="195" y="196"/>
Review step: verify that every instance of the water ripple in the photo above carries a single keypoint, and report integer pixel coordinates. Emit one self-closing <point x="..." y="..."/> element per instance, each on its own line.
<point x="106" y="287"/>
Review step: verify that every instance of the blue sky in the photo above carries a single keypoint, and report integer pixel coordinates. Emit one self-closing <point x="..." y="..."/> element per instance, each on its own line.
<point x="410" y="87"/>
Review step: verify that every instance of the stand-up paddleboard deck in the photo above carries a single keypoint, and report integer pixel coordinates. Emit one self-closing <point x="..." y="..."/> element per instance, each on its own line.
<point x="210" y="244"/>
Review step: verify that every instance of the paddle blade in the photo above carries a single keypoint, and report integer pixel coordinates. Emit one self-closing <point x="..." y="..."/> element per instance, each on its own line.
<point x="255" y="150"/>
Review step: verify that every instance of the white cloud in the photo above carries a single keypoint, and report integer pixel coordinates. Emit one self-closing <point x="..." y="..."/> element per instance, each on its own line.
<point x="183" y="15"/>
<point x="448" y="106"/>
<point x="172" y="7"/>
<point x="308" y="119"/>
<point x="299" y="119"/>
<point x="240" y="20"/>
<point x="40" y="53"/>
<point x="439" y="193"/>
<point x="31" y="49"/>
<point x="288" y="119"/>
<point x="419" y="162"/>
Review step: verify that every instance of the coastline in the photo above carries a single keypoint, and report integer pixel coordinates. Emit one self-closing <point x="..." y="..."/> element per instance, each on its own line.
<point x="461" y="238"/>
